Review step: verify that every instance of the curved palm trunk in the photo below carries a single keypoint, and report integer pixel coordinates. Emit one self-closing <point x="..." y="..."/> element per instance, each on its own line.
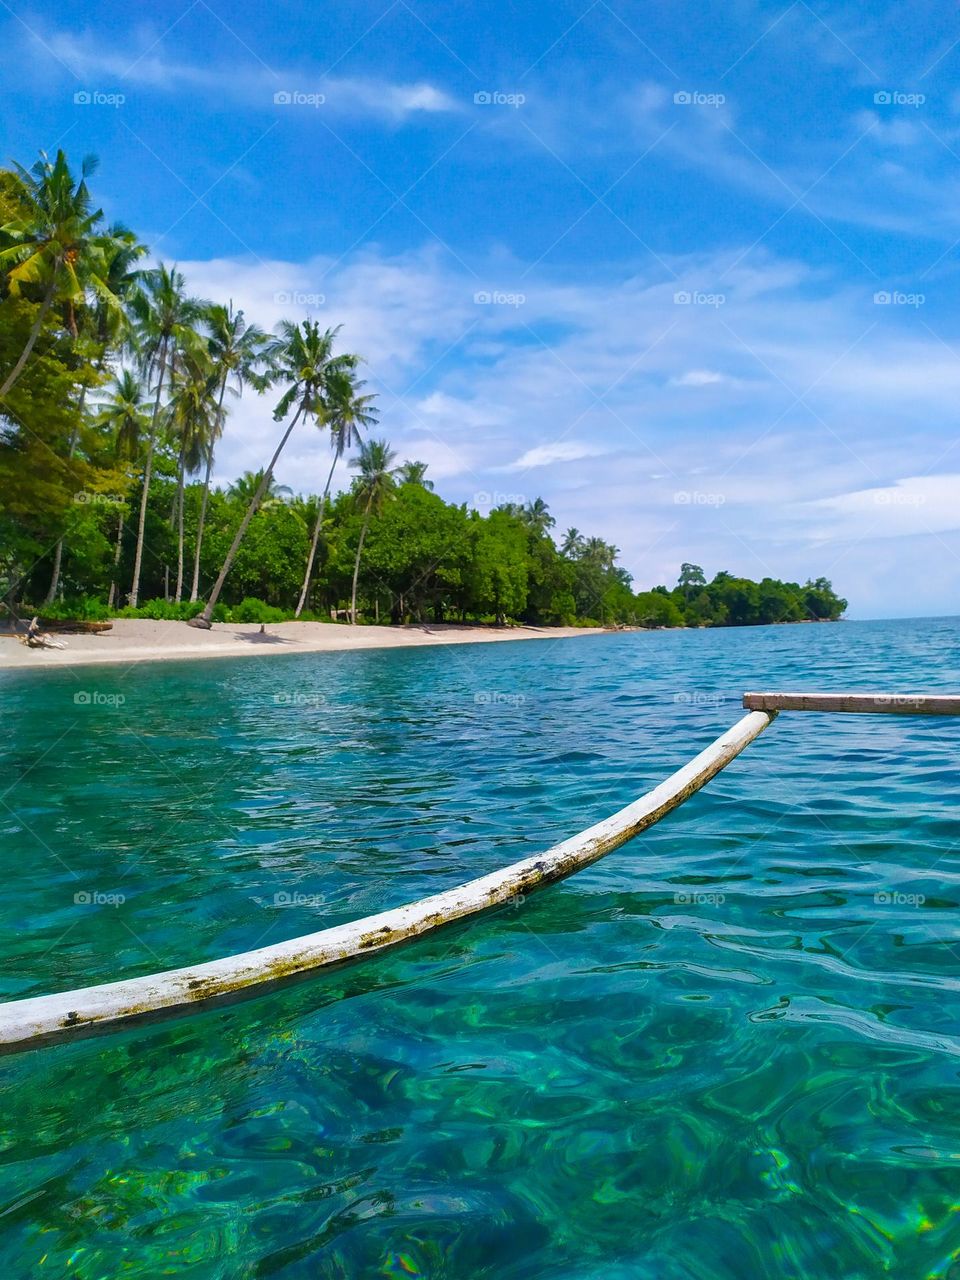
<point x="147" y="473"/>
<point x="116" y="563"/>
<point x="205" y="619"/>
<point x="356" y="563"/>
<point x="17" y="369"/>
<point x="195" y="588"/>
<point x="58" y="549"/>
<point x="179" y="501"/>
<point x="179" y="594"/>
<point x="55" y="575"/>
<point x="304" y="590"/>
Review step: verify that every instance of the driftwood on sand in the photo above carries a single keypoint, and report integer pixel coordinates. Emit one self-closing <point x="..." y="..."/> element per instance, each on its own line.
<point x="37" y="639"/>
<point x="77" y="626"/>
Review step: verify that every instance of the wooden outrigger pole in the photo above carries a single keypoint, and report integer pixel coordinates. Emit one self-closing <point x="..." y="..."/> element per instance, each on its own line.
<point x="30" y="1023"/>
<point x="898" y="704"/>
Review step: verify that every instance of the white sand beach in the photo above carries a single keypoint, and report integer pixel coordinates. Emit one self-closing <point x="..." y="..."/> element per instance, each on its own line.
<point x="132" y="640"/>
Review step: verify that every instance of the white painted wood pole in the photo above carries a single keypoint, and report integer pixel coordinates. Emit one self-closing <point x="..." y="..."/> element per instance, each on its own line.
<point x="897" y="704"/>
<point x="26" y="1024"/>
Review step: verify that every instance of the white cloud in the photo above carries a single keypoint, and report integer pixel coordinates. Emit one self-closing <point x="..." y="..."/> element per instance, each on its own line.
<point x="248" y="81"/>
<point x="822" y="394"/>
<point x="698" y="378"/>
<point x="913" y="505"/>
<point x="839" y="171"/>
<point x="561" y="451"/>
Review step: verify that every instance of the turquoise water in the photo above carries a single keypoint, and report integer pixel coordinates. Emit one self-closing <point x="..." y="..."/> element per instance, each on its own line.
<point x="729" y="1050"/>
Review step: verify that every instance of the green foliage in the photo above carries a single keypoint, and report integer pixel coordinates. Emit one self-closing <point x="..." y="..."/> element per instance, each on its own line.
<point x="166" y="611"/>
<point x="415" y="550"/>
<point x="270" y="558"/>
<point x="496" y="573"/>
<point x="114" y="382"/>
<point x="737" y="602"/>
<point x="252" y="610"/>
<point x="81" y="609"/>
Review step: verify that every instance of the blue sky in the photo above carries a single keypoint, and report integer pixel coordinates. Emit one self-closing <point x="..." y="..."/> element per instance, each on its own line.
<point x="687" y="271"/>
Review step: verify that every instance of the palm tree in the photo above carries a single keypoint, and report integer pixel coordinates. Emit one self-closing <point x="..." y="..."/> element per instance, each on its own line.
<point x="54" y="243"/>
<point x="165" y="317"/>
<point x="415" y="473"/>
<point x="107" y="324"/>
<point x="236" y="350"/>
<point x="301" y="356"/>
<point x="537" y="517"/>
<point x="348" y="412"/>
<point x="599" y="553"/>
<point x="112" y="317"/>
<point x="246" y="486"/>
<point x="572" y="544"/>
<point x="124" y="415"/>
<point x="194" y="414"/>
<point x="377" y="480"/>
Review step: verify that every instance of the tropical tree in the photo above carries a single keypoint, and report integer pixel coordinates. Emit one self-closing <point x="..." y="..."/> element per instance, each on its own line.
<point x="246" y="486"/>
<point x="104" y="325"/>
<point x="165" y="325"/>
<point x="124" y="416"/>
<point x="377" y="480"/>
<point x="54" y="244"/>
<point x="601" y="555"/>
<point x="572" y="544"/>
<point x="415" y="473"/>
<point x="349" y="411"/>
<point x="537" y="516"/>
<point x="691" y="575"/>
<point x="236" y="350"/>
<point x="194" y="415"/>
<point x="111" y="315"/>
<point x="497" y="577"/>
<point x="302" y="358"/>
<point x="416" y="551"/>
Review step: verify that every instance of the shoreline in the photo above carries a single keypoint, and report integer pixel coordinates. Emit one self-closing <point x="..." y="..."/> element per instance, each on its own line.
<point x="134" y="640"/>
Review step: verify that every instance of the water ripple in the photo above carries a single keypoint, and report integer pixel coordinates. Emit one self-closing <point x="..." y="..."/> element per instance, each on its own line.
<point x="728" y="1050"/>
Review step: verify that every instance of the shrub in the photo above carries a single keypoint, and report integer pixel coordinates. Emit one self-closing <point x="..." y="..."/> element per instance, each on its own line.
<point x="170" y="611"/>
<point x="251" y="609"/>
<point x="83" y="609"/>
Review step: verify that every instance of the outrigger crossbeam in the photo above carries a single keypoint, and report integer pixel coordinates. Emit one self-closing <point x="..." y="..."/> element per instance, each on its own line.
<point x="897" y="704"/>
<point x="38" y="1020"/>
